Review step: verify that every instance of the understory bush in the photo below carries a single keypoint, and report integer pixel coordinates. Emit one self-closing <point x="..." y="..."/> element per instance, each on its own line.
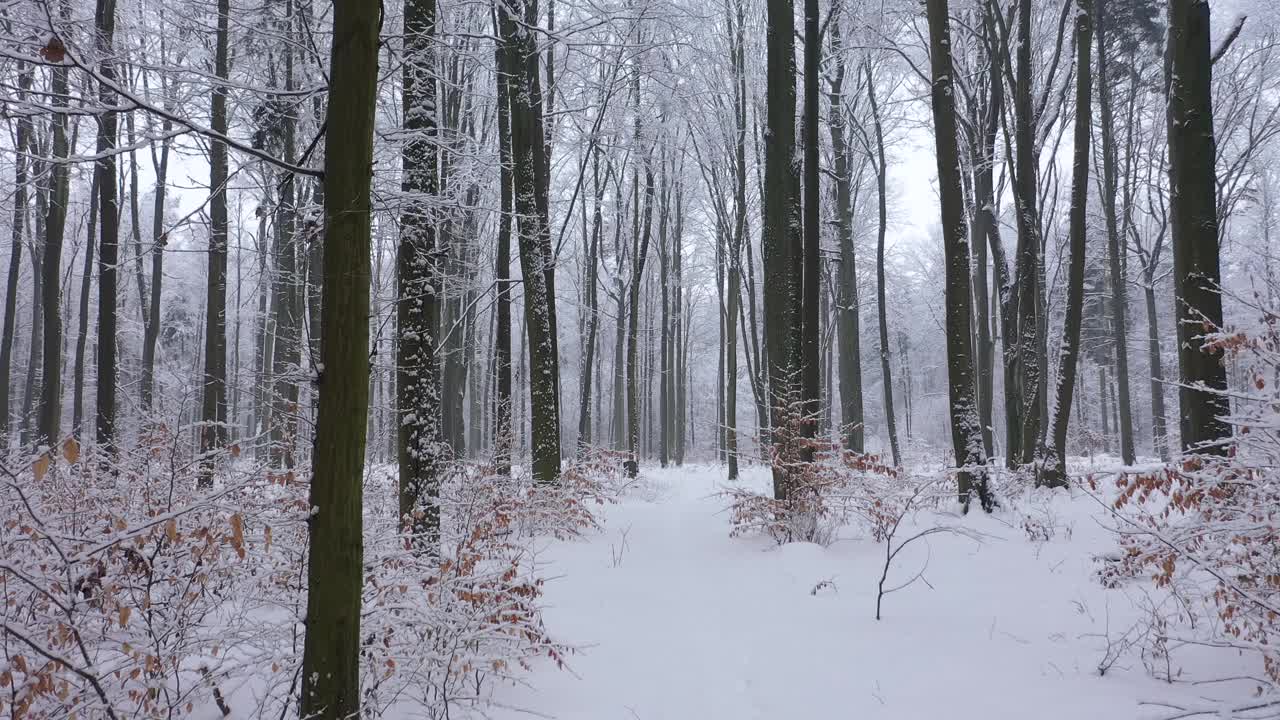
<point x="128" y="593"/>
<point x="1206" y="530"/>
<point x="823" y="486"/>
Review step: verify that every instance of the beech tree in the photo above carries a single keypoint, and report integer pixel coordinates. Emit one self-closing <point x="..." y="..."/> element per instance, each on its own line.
<point x="417" y="265"/>
<point x="331" y="653"/>
<point x="1194" y="228"/>
<point x="213" y="415"/>
<point x="782" y="235"/>
<point x="529" y="178"/>
<point x="966" y="432"/>
<point x="1053" y="470"/>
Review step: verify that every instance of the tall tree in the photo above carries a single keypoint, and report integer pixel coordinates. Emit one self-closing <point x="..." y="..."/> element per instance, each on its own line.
<point x="590" y="270"/>
<point x="1194" y="227"/>
<point x="109" y="245"/>
<point x="21" y="140"/>
<point x="502" y="437"/>
<point x="1006" y="292"/>
<point x="848" y="314"/>
<point x="882" y="227"/>
<point x="678" y="333"/>
<point x="664" y="325"/>
<point x="50" y="412"/>
<point x="1115" y="244"/>
<point x="417" y="263"/>
<point x="812" y="262"/>
<point x="82" y="332"/>
<point x="1027" y="281"/>
<point x="517" y="22"/>
<point x="733" y="295"/>
<point x="1053" y="470"/>
<point x="213" y="408"/>
<point x="159" y="239"/>
<point x="641" y="251"/>
<point x="782" y="237"/>
<point x="966" y="430"/>
<point x="286" y="294"/>
<point x="331" y="653"/>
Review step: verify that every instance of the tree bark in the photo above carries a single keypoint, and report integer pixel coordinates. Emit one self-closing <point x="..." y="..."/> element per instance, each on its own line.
<point x="1053" y="468"/>
<point x="30" y="387"/>
<point x="286" y="292"/>
<point x="50" y="408"/>
<point x="82" y="332"/>
<point x="418" y="403"/>
<point x="848" y="312"/>
<point x="502" y="438"/>
<point x="593" y="303"/>
<point x="664" y="324"/>
<point x="782" y="240"/>
<point x="22" y="139"/>
<point x="159" y="240"/>
<point x="966" y="430"/>
<point x="213" y="414"/>
<point x="812" y="262"/>
<point x="1194" y="222"/>
<point x="1119" y="283"/>
<point x="331" y="655"/>
<point x="680" y="392"/>
<point x="1159" y="433"/>
<point x="536" y="258"/>
<point x="641" y="245"/>
<point x="1027" y="281"/>
<point x="881" y="289"/>
<point x="108" y="250"/>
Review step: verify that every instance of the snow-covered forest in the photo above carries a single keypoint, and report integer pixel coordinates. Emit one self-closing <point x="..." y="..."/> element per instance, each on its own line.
<point x="639" y="359"/>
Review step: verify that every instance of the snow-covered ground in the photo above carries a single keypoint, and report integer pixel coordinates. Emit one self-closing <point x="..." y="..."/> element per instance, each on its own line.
<point x="674" y="619"/>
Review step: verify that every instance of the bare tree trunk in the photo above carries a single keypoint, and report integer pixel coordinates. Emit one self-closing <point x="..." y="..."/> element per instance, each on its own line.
<point x="536" y="259"/>
<point x="641" y="245"/>
<point x="213" y="415"/>
<point x="1053" y="469"/>
<point x="1159" y="433"/>
<point x="108" y="253"/>
<point x="966" y="430"/>
<point x="811" y="260"/>
<point x="159" y="240"/>
<point x="1027" y="282"/>
<point x="620" y="365"/>
<point x="664" y="325"/>
<point x="881" y="290"/>
<point x="21" y="146"/>
<point x="1192" y="202"/>
<point x="331" y="655"/>
<point x="593" y="302"/>
<point x="82" y="333"/>
<point x="50" y="410"/>
<point x="262" y="354"/>
<point x="286" y="300"/>
<point x="783" y="241"/>
<point x="680" y="361"/>
<point x="848" y="312"/>
<point x="907" y="387"/>
<point x="1119" y="283"/>
<point x="723" y="389"/>
<point x="1103" y="409"/>
<point x="418" y="401"/>
<point x="502" y="438"/>
<point x="681" y="379"/>
<point x="44" y="192"/>
<point x="985" y="233"/>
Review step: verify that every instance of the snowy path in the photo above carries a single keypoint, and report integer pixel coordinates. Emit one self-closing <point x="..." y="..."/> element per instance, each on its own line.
<point x="690" y="623"/>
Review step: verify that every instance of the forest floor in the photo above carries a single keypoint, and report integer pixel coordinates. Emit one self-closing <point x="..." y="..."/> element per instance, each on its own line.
<point x="674" y="619"/>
